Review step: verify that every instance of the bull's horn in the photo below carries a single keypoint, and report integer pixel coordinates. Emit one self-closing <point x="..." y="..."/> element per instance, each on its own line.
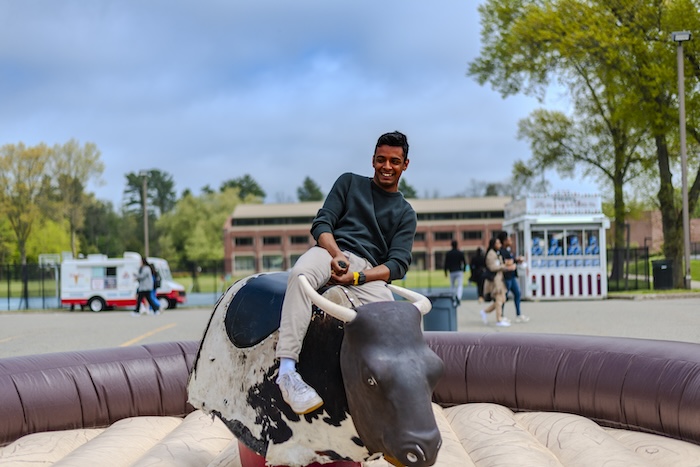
<point x="419" y="301"/>
<point x="337" y="311"/>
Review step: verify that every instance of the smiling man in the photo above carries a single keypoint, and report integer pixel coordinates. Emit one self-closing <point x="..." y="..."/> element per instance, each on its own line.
<point x="364" y="235"/>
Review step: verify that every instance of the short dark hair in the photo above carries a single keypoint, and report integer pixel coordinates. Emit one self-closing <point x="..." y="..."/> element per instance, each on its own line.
<point x="454" y="243"/>
<point x="396" y="139"/>
<point x="502" y="236"/>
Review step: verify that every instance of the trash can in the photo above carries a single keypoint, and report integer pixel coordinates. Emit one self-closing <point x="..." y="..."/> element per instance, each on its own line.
<point x="662" y="271"/>
<point x="443" y="315"/>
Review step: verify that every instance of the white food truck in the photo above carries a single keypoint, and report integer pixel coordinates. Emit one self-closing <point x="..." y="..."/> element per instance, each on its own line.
<point x="101" y="283"/>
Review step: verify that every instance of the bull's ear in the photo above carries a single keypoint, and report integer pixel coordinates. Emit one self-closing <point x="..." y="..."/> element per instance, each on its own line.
<point x="419" y="301"/>
<point x="337" y="311"/>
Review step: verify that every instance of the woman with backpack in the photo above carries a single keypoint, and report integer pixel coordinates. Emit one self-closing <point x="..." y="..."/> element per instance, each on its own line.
<point x="146" y="287"/>
<point x="494" y="285"/>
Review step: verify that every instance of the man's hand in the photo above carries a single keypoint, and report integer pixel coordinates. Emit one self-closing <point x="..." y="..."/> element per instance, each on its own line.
<point x="339" y="265"/>
<point x="345" y="278"/>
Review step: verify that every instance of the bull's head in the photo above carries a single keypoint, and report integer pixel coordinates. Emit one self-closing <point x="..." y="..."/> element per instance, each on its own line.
<point x="389" y="375"/>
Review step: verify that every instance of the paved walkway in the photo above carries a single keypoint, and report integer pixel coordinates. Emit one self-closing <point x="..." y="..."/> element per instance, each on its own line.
<point x="665" y="317"/>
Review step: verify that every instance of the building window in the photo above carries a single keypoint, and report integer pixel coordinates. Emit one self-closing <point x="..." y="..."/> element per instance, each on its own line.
<point x="272" y="263"/>
<point x="442" y="236"/>
<point x="293" y="259"/>
<point x="299" y="239"/>
<point x="243" y="241"/>
<point x="104" y="278"/>
<point x="244" y="263"/>
<point x="272" y="240"/>
<point x="471" y="235"/>
<point x="419" y="237"/>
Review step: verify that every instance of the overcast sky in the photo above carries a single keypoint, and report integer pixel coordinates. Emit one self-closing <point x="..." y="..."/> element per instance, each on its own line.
<point x="214" y="89"/>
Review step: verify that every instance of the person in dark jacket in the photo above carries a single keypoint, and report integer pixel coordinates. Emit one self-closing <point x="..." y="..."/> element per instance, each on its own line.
<point x="511" y="277"/>
<point x="364" y="236"/>
<point x="455" y="264"/>
<point x="476" y="266"/>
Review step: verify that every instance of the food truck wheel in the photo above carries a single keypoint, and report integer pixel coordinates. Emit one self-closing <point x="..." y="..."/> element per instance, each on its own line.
<point x="96" y="304"/>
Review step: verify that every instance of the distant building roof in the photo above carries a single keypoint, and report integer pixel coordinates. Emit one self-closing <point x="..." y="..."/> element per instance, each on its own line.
<point x="244" y="214"/>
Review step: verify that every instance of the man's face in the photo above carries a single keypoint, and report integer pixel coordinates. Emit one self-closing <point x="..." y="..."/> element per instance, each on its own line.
<point x="389" y="164"/>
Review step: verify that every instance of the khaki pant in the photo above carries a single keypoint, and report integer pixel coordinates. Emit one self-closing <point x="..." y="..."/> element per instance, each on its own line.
<point x="315" y="264"/>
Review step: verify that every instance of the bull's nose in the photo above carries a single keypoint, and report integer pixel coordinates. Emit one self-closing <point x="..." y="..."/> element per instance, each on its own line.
<point x="421" y="454"/>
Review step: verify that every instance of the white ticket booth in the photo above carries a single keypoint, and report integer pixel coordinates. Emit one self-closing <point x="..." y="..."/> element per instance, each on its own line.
<point x="562" y="237"/>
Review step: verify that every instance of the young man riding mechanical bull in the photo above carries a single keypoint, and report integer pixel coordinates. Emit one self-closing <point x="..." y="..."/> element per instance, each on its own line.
<point x="364" y="235"/>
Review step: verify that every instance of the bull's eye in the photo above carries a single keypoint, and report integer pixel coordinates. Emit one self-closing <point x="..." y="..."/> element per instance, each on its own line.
<point x="371" y="381"/>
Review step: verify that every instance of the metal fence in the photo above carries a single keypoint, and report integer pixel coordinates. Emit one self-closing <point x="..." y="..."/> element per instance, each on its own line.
<point x="205" y="281"/>
<point x="29" y="286"/>
<point x="628" y="269"/>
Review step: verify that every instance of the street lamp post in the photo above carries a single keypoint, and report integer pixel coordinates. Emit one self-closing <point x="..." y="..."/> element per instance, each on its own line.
<point x="680" y="37"/>
<point x="144" y="192"/>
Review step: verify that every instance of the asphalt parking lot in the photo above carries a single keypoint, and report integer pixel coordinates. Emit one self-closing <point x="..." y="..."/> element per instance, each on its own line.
<point x="26" y="333"/>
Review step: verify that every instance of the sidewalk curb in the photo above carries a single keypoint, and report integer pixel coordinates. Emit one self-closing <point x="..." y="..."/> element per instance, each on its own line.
<point x="652" y="296"/>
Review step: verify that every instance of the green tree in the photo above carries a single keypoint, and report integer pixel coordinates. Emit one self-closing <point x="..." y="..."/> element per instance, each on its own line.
<point x="309" y="191"/>
<point x="163" y="195"/>
<point x="407" y="190"/>
<point x="7" y="241"/>
<point x="160" y="192"/>
<point x="22" y="171"/>
<point x="248" y="188"/>
<point x="73" y="167"/>
<point x="617" y="63"/>
<point x="191" y="232"/>
<point x="50" y="236"/>
<point x="105" y="231"/>
<point x="22" y="192"/>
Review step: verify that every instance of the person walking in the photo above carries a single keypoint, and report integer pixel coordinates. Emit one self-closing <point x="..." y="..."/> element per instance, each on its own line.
<point x="156" y="284"/>
<point x="455" y="264"/>
<point x="364" y="236"/>
<point x="510" y="278"/>
<point x="494" y="287"/>
<point x="477" y="264"/>
<point x="145" y="288"/>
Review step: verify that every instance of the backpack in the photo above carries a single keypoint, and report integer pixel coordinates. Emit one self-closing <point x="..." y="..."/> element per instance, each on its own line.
<point x="156" y="280"/>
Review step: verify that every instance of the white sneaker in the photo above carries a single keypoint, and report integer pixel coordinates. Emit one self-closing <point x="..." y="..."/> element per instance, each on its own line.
<point x="503" y="323"/>
<point x="301" y="397"/>
<point x="484" y="318"/>
<point x="505" y="319"/>
<point x="522" y="319"/>
<point x="133" y="313"/>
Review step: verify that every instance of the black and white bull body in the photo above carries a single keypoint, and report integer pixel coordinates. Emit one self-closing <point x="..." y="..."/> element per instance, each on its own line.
<point x="375" y="366"/>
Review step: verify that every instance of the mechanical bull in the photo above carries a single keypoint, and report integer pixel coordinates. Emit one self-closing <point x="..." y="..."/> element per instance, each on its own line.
<point x="370" y="362"/>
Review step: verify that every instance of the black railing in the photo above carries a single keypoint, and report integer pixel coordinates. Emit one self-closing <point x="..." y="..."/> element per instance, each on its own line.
<point x="628" y="269"/>
<point x="28" y="286"/>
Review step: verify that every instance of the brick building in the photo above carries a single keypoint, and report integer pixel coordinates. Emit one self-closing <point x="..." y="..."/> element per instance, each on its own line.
<point x="647" y="230"/>
<point x="271" y="237"/>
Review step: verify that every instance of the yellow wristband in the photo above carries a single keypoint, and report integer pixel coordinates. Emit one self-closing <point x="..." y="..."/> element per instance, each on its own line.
<point x="355" y="278"/>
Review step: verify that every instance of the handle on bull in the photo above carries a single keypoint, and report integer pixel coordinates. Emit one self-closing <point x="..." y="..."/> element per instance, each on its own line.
<point x="337" y="311"/>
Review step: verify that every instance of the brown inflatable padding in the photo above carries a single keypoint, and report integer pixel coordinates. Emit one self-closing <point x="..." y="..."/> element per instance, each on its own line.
<point x="636" y="384"/>
<point x="643" y="385"/>
<point x="93" y="388"/>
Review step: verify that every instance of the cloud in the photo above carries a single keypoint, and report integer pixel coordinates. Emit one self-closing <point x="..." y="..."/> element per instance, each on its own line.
<point x="211" y="90"/>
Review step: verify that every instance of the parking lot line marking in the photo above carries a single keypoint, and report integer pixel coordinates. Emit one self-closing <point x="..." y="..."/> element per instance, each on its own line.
<point x="7" y="339"/>
<point x="148" y="334"/>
